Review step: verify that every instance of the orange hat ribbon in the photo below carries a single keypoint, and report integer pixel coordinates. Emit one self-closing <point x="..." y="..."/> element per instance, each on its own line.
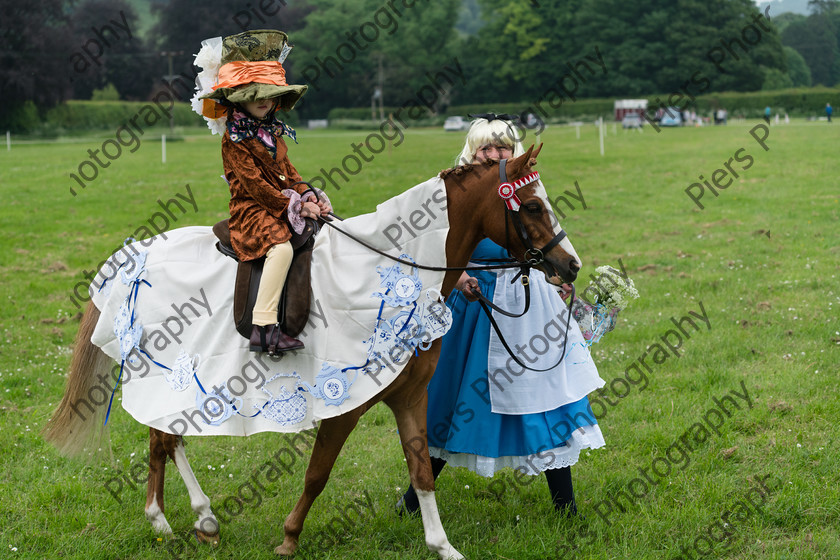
<point x="235" y="74"/>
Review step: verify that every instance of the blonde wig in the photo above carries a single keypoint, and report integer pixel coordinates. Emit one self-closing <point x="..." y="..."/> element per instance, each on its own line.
<point x="495" y="132"/>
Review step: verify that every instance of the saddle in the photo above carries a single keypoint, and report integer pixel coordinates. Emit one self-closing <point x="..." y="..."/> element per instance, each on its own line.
<point x="292" y="312"/>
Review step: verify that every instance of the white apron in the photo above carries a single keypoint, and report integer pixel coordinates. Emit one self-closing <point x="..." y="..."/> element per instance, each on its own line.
<point x="539" y="334"/>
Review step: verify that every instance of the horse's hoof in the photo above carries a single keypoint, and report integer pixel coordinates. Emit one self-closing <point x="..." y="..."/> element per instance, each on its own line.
<point x="206" y="538"/>
<point x="287" y="548"/>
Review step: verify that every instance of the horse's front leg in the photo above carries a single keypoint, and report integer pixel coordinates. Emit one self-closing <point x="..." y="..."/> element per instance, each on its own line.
<point x="411" y="422"/>
<point x="332" y="434"/>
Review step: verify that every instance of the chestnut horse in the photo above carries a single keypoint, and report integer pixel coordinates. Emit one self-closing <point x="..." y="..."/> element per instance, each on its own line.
<point x="475" y="211"/>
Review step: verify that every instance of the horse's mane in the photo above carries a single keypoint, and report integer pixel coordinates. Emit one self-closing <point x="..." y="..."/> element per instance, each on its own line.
<point x="464" y="169"/>
<point x="468" y="168"/>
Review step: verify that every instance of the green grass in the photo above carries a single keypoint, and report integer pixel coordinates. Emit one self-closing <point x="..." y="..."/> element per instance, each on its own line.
<point x="772" y="302"/>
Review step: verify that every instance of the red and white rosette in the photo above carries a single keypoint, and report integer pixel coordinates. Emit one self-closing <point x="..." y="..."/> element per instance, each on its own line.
<point x="508" y="190"/>
<point x="508" y="194"/>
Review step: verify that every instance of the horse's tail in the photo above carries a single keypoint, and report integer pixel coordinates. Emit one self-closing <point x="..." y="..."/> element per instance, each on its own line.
<point x="78" y="421"/>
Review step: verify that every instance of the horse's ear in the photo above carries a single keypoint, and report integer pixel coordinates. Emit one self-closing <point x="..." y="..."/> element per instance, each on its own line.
<point x="523" y="161"/>
<point x="533" y="161"/>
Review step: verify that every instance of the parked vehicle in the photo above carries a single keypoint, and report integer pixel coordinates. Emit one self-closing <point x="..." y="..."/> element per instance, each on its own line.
<point x="631" y="120"/>
<point x="455" y="124"/>
<point x="671" y="117"/>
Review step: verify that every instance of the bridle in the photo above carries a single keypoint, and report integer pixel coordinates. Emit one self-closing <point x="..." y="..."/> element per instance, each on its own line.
<point x="507" y="191"/>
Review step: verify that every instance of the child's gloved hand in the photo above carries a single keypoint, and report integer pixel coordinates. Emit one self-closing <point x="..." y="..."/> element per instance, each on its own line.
<point x="310" y="210"/>
<point x="324" y="206"/>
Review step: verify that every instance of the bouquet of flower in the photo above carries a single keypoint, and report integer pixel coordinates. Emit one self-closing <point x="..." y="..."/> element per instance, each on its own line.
<point x="596" y="309"/>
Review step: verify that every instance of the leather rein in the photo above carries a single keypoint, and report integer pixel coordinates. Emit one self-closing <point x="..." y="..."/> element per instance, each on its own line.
<point x="507" y="191"/>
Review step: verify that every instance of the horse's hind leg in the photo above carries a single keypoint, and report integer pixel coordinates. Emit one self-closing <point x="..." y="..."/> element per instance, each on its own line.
<point x="157" y="474"/>
<point x="161" y="446"/>
<point x="207" y="526"/>
<point x="332" y="434"/>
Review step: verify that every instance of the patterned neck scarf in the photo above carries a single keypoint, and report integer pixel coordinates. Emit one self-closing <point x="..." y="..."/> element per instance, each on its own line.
<point x="242" y="126"/>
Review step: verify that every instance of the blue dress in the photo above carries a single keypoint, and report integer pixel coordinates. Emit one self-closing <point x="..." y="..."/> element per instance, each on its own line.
<point x="461" y="426"/>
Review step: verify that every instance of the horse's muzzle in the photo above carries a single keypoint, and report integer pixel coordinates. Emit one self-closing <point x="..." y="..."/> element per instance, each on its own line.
<point x="565" y="272"/>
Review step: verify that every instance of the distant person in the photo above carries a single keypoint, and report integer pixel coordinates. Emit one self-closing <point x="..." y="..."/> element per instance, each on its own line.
<point x="767" y="114"/>
<point x="828" y="111"/>
<point x="531" y="120"/>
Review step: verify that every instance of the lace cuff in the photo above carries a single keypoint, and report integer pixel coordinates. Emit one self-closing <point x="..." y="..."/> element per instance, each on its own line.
<point x="295" y="204"/>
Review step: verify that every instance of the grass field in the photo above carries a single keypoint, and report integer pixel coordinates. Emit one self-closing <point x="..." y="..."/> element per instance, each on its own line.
<point x="762" y="258"/>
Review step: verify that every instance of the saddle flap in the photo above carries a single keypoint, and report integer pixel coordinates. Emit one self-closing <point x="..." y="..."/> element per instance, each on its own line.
<point x="224" y="245"/>
<point x="222" y="232"/>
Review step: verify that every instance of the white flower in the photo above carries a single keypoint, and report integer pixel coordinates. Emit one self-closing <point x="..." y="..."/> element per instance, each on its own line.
<point x="209" y="58"/>
<point x="216" y="126"/>
<point x="197" y="103"/>
<point x="611" y="289"/>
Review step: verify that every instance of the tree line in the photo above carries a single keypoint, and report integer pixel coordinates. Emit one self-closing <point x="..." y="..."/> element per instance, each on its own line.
<point x="351" y="51"/>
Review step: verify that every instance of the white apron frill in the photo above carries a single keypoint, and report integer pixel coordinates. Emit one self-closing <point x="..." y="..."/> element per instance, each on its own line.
<point x="585" y="437"/>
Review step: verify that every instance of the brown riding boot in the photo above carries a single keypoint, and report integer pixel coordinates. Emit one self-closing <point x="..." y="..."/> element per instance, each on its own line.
<point x="273" y="340"/>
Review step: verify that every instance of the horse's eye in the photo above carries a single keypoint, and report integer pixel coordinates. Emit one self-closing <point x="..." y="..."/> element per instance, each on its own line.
<point x="533" y="208"/>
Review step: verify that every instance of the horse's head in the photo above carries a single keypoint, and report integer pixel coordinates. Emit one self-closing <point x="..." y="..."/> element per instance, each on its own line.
<point x="514" y="211"/>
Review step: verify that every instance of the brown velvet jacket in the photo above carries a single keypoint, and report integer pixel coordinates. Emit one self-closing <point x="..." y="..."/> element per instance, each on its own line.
<point x="257" y="207"/>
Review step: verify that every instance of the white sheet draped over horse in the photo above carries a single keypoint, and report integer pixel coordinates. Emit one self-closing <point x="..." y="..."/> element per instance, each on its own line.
<point x="169" y="314"/>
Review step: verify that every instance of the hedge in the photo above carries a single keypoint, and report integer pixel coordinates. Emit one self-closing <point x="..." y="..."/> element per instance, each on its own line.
<point x="73" y="116"/>
<point x="79" y="116"/>
<point x="798" y="102"/>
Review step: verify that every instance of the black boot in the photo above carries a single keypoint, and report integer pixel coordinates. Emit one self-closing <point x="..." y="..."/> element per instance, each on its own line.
<point x="273" y="340"/>
<point x="409" y="504"/>
<point x="562" y="492"/>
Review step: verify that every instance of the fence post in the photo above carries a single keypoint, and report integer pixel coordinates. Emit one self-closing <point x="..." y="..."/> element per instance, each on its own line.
<point x="601" y="134"/>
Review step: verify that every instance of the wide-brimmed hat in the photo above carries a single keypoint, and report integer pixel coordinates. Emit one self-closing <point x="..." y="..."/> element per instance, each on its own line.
<point x="251" y="69"/>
